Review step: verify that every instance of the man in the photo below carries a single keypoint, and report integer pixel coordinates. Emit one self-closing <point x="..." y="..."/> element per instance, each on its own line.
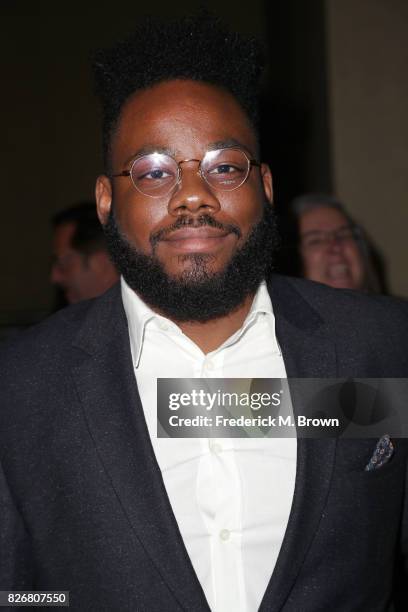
<point x="93" y="502"/>
<point x="81" y="267"/>
<point x="332" y="248"/>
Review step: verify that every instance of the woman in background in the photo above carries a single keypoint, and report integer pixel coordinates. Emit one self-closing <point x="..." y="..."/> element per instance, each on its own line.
<point x="330" y="247"/>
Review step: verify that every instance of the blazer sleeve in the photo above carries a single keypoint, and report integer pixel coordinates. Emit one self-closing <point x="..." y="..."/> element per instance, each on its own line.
<point x="401" y="582"/>
<point x="16" y="565"/>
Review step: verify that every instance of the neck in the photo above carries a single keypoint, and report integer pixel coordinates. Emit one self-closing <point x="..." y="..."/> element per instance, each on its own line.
<point x="210" y="335"/>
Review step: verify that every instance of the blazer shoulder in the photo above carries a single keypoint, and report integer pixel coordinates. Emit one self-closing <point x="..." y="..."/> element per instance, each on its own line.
<point x="49" y="339"/>
<point x="371" y="324"/>
<point x="55" y="332"/>
<point x="339" y="304"/>
<point x="40" y="358"/>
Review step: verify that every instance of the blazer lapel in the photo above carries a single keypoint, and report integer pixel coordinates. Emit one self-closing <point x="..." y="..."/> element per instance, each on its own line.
<point x="107" y="389"/>
<point x="307" y="353"/>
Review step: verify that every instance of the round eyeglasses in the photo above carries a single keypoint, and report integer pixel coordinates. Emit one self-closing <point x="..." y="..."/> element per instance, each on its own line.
<point x="157" y="174"/>
<point x="319" y="239"/>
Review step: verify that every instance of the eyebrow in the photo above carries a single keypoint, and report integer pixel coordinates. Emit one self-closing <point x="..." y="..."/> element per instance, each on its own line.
<point x="148" y="149"/>
<point x="317" y="232"/>
<point x="213" y="146"/>
<point x="230" y="142"/>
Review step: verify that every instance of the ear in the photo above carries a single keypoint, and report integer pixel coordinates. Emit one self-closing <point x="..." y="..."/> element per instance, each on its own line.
<point x="266" y="176"/>
<point x="103" y="195"/>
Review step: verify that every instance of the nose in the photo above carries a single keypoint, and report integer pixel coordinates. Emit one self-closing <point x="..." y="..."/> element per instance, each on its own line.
<point x="334" y="243"/>
<point x="192" y="194"/>
<point x="56" y="275"/>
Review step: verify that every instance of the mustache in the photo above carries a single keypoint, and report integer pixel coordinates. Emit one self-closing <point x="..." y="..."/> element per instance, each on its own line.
<point x="200" y="221"/>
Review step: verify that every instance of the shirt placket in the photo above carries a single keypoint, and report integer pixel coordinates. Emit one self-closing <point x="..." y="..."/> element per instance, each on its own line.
<point x="225" y="506"/>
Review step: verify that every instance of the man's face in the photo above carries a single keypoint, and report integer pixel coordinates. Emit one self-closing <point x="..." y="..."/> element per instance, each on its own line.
<point x="329" y="250"/>
<point x="80" y="277"/>
<point x="69" y="269"/>
<point x="185" y="119"/>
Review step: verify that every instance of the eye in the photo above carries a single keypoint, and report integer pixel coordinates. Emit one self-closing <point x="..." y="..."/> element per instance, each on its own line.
<point x="154" y="175"/>
<point x="345" y="234"/>
<point x="315" y="240"/>
<point x="155" y="168"/>
<point x="224" y="169"/>
<point x="225" y="173"/>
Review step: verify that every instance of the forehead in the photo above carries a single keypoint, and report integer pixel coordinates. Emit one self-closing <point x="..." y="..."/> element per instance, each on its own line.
<point x="322" y="218"/>
<point x="185" y="117"/>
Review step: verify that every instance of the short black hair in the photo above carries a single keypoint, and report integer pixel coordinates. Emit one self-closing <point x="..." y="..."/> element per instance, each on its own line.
<point x="88" y="237"/>
<point x="198" y="48"/>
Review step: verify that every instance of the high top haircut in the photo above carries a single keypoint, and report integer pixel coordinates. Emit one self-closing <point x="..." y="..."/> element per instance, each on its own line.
<point x="198" y="48"/>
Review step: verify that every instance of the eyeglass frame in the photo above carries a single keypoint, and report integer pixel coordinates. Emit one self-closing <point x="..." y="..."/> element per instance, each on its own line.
<point x="251" y="163"/>
<point x="332" y="236"/>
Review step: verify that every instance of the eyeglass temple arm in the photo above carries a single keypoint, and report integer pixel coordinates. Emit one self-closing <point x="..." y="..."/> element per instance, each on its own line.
<point x="123" y="173"/>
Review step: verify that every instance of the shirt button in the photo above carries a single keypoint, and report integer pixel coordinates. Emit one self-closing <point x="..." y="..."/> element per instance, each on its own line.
<point x="215" y="447"/>
<point x="209" y="365"/>
<point x="224" y="534"/>
<point x="163" y="326"/>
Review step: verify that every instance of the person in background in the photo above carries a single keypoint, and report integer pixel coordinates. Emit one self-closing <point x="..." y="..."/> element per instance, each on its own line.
<point x="81" y="264"/>
<point x="332" y="248"/>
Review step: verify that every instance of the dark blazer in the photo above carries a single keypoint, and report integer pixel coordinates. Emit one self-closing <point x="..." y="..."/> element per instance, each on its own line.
<point x="82" y="502"/>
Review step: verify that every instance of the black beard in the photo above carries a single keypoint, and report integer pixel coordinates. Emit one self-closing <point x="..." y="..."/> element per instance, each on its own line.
<point x="197" y="294"/>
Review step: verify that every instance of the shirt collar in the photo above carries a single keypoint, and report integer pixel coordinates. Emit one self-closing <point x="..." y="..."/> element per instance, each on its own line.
<point x="261" y="306"/>
<point x="261" y="303"/>
<point x="138" y="314"/>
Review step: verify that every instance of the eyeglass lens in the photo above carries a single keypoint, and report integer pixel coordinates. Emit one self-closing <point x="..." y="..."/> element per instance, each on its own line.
<point x="317" y="239"/>
<point x="157" y="174"/>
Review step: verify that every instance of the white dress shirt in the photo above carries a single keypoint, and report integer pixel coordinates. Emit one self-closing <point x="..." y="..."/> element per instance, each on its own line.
<point x="231" y="497"/>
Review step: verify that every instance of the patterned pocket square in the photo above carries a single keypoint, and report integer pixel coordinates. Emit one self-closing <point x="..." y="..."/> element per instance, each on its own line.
<point x="382" y="454"/>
